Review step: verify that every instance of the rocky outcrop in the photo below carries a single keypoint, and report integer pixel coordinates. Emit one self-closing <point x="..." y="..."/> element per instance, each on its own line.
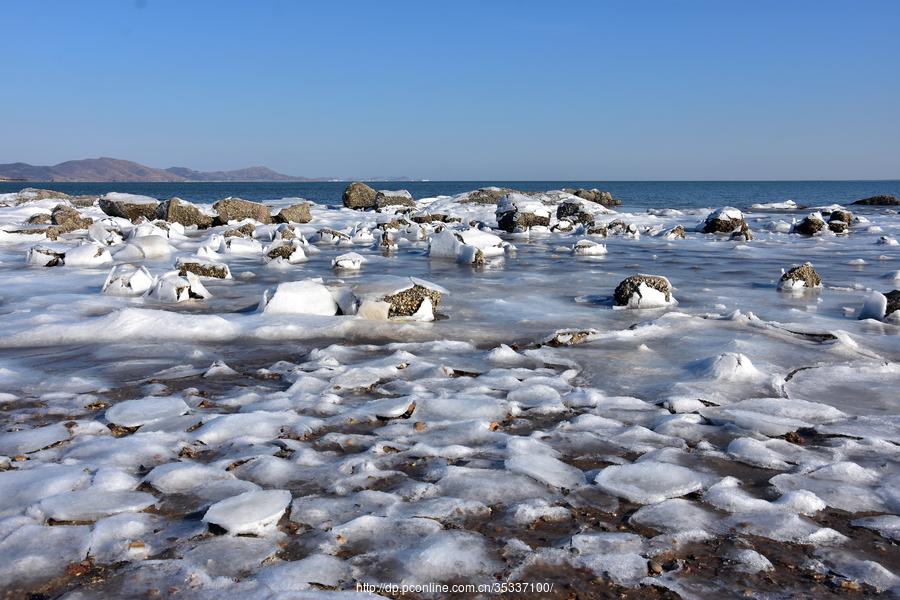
<point x="245" y="230"/>
<point x="594" y="195"/>
<point x="881" y="200"/>
<point x="407" y="303"/>
<point x="574" y="211"/>
<point x="127" y="206"/>
<point x="236" y="209"/>
<point x="176" y="210"/>
<point x="38" y="219"/>
<point x="202" y="268"/>
<point x="810" y="225"/>
<point x="35" y="195"/>
<point x="839" y="221"/>
<point x="386" y="198"/>
<point x="643" y="291"/>
<point x="724" y="220"/>
<point x="296" y="213"/>
<point x="797" y="278"/>
<point x="359" y="196"/>
<point x="517" y="212"/>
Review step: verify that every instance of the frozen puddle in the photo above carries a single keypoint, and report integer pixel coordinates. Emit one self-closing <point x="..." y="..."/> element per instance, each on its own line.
<point x="476" y="389"/>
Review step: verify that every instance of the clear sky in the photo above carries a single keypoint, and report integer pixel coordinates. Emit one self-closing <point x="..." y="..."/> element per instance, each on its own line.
<point x="485" y="89"/>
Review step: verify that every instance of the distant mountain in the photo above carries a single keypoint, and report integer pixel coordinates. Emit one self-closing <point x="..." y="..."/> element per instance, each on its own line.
<point x="113" y="169"/>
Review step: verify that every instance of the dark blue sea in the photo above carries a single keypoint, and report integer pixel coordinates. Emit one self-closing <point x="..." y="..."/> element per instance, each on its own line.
<point x="635" y="195"/>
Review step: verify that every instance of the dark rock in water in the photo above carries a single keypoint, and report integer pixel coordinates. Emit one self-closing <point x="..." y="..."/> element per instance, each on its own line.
<point x="245" y="230"/>
<point x="296" y="213"/>
<point x="629" y="286"/>
<point x="881" y="200"/>
<point x="236" y="209"/>
<point x="38" y="219"/>
<point x="724" y="220"/>
<point x="406" y="303"/>
<point x="838" y="227"/>
<point x="519" y="212"/>
<point x="128" y="209"/>
<point x="574" y="212"/>
<point x="176" y="210"/>
<point x="398" y="198"/>
<point x="359" y="196"/>
<point x="620" y="227"/>
<point x="805" y="274"/>
<point x="284" y="251"/>
<point x="743" y="233"/>
<point x="844" y="216"/>
<point x="597" y="229"/>
<point x="594" y="195"/>
<point x="893" y="302"/>
<point x="488" y="195"/>
<point x="810" y="225"/>
<point x="203" y="269"/>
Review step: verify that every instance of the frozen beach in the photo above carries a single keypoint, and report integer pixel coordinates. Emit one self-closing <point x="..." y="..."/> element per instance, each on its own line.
<point x="288" y="398"/>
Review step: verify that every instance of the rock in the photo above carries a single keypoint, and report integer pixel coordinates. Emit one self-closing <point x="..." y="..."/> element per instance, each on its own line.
<point x="245" y="230"/>
<point x="66" y="219"/>
<point x="620" y="227"/>
<point x="893" y="303"/>
<point x="724" y="220"/>
<point x="519" y="212"/>
<point x="597" y="229"/>
<point x="594" y="195"/>
<point x="128" y="206"/>
<point x="83" y="201"/>
<point x="35" y="195"/>
<point x="797" y="278"/>
<point x="434" y="217"/>
<point x="881" y="200"/>
<point x="236" y="209"/>
<point x="883" y="307"/>
<point x="574" y="211"/>
<point x="643" y="291"/>
<point x="359" y="196"/>
<point x="385" y="198"/>
<point x="844" y="216"/>
<point x="41" y="256"/>
<point x="810" y="225"/>
<point x="471" y="246"/>
<point x="570" y="337"/>
<point x="296" y="213"/>
<point x="488" y="195"/>
<point x="202" y="268"/>
<point x="404" y="297"/>
<point x="586" y="247"/>
<point x="38" y="219"/>
<point x="176" y="210"/>
<point x="676" y="233"/>
<point x="289" y="251"/>
<point x="743" y="234"/>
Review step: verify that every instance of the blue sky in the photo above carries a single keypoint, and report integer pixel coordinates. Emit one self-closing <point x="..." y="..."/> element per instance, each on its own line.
<point x="459" y="90"/>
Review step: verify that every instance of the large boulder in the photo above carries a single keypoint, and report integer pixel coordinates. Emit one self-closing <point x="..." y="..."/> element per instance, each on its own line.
<point x="385" y="198"/>
<point x="799" y="278"/>
<point x="176" y="210"/>
<point x="644" y="291"/>
<point x="128" y="206"/>
<point x="359" y="196"/>
<point x="35" y="195"/>
<point x="810" y="225"/>
<point x="518" y="212"/>
<point x="594" y="195"/>
<point x="839" y="221"/>
<point x="296" y="213"/>
<point x="880" y="200"/>
<point x="237" y="209"/>
<point x="725" y="220"/>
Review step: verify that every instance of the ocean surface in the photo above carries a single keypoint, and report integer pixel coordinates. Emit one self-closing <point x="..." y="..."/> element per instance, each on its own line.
<point x="635" y="195"/>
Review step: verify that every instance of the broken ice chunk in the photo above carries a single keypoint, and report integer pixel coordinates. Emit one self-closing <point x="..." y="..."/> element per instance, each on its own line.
<point x="254" y="512"/>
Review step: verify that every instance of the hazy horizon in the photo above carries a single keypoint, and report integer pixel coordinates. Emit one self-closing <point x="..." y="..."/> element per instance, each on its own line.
<point x="700" y="91"/>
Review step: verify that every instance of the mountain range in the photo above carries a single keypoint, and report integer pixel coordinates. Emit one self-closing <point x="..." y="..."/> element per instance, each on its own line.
<point x="114" y="169"/>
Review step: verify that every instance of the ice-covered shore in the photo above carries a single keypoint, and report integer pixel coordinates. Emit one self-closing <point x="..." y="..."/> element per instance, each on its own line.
<point x="273" y="400"/>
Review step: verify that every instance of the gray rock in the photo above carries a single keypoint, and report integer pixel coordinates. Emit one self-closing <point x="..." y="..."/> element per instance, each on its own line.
<point x="296" y="213"/>
<point x="893" y="302"/>
<point x="237" y="209"/>
<point x="574" y="212"/>
<point x="176" y="210"/>
<point x="359" y="196"/>
<point x="66" y="219"/>
<point x="810" y="225"/>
